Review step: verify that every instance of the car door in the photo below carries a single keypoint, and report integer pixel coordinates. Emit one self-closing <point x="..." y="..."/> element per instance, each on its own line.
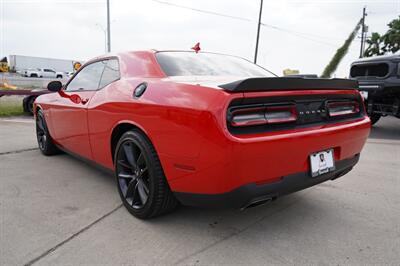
<point x="49" y="73"/>
<point x="69" y="118"/>
<point x="100" y="124"/>
<point x="45" y="73"/>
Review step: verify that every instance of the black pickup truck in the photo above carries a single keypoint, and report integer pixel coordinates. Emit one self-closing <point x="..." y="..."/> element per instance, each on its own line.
<point x="379" y="83"/>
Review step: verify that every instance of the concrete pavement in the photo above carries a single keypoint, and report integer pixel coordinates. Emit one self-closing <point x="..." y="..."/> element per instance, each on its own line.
<point x="58" y="210"/>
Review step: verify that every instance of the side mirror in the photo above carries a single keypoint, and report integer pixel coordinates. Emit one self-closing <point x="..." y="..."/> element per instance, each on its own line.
<point x="54" y="86"/>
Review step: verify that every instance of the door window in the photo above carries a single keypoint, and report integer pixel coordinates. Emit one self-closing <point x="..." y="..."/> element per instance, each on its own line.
<point x="110" y="73"/>
<point x="88" y="78"/>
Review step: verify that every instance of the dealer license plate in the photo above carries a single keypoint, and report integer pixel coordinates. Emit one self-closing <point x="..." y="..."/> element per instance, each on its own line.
<point x="322" y="162"/>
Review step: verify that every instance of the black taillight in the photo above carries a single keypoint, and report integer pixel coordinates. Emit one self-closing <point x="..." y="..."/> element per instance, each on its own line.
<point x="341" y="108"/>
<point x="261" y="115"/>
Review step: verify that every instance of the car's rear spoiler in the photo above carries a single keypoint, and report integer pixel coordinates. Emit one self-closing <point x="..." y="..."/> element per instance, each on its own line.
<point x="289" y="83"/>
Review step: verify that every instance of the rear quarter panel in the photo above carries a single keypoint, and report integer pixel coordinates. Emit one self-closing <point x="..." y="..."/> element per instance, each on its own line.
<point x="177" y="118"/>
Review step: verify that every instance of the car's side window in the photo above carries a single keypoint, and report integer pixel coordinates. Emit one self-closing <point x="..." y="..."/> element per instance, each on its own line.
<point x="88" y="78"/>
<point x="110" y="73"/>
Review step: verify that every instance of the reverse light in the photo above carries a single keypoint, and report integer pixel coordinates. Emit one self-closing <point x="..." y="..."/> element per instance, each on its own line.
<point x="264" y="115"/>
<point x="281" y="114"/>
<point x="338" y="108"/>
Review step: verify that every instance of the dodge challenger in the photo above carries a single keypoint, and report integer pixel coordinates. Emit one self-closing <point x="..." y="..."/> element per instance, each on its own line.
<point x="202" y="129"/>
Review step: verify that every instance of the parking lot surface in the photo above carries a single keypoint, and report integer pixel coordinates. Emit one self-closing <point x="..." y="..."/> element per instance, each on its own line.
<point x="58" y="210"/>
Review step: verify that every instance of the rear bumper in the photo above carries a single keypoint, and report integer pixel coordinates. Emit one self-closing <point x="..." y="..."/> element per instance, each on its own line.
<point x="252" y="193"/>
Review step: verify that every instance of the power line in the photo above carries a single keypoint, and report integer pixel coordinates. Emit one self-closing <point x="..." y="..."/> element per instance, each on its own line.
<point x="298" y="34"/>
<point x="204" y="11"/>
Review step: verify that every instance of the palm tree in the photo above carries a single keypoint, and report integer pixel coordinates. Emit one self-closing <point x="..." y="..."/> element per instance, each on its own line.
<point x="374" y="45"/>
<point x="340" y="53"/>
<point x="391" y="38"/>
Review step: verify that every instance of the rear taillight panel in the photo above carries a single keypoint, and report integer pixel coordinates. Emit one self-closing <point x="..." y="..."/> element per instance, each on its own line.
<point x="252" y="115"/>
<point x="262" y="115"/>
<point x="342" y="108"/>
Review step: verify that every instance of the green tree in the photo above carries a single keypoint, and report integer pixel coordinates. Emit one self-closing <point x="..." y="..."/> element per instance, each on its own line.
<point x="340" y="53"/>
<point x="391" y="39"/>
<point x="386" y="43"/>
<point x="375" y="45"/>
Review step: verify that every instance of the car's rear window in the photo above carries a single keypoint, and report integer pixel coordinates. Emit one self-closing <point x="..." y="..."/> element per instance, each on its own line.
<point x="207" y="64"/>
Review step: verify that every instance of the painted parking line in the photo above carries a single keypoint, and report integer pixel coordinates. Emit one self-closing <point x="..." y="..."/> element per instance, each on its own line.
<point x="26" y="121"/>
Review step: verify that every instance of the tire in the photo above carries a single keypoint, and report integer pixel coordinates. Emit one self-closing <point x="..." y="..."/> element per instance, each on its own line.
<point x="59" y="77"/>
<point x="34" y="76"/>
<point x="374" y="118"/>
<point x="45" y="142"/>
<point x="27" y="104"/>
<point x="140" y="178"/>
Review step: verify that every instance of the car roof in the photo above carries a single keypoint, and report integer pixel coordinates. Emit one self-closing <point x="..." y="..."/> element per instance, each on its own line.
<point x="378" y="58"/>
<point x="143" y="63"/>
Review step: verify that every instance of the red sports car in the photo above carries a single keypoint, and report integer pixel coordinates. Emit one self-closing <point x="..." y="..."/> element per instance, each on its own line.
<point x="202" y="129"/>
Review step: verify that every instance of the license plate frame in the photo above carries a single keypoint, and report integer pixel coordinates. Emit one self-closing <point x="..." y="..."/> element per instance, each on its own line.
<point x="322" y="162"/>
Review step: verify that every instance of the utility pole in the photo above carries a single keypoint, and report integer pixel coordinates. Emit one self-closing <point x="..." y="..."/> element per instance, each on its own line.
<point x="108" y="27"/>
<point x="363" y="33"/>
<point x="258" y="32"/>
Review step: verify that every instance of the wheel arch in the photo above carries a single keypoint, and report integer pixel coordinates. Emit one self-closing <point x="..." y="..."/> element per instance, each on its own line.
<point x="120" y="129"/>
<point x="36" y="108"/>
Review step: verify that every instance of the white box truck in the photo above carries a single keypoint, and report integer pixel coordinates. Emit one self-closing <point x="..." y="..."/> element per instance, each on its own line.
<point x="21" y="62"/>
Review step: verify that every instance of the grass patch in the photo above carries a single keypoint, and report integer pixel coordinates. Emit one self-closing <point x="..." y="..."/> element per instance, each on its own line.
<point x="11" y="108"/>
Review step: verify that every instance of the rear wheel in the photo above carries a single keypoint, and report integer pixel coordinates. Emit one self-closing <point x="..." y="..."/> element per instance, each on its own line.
<point x="45" y="142"/>
<point x="142" y="185"/>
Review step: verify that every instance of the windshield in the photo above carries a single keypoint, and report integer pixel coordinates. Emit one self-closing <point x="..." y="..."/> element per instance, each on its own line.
<point x="207" y="64"/>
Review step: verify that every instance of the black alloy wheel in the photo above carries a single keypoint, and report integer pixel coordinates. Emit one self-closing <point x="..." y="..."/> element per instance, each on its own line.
<point x="41" y="132"/>
<point x="141" y="182"/>
<point x="133" y="176"/>
<point x="45" y="142"/>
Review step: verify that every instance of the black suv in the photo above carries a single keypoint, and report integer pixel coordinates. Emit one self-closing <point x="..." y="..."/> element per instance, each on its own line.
<point x="379" y="83"/>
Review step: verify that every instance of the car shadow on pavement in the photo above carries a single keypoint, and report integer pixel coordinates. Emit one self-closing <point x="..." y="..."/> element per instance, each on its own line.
<point x="387" y="128"/>
<point x="203" y="231"/>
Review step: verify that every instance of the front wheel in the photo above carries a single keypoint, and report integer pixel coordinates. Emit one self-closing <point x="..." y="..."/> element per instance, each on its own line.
<point x="141" y="182"/>
<point x="45" y="142"/>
